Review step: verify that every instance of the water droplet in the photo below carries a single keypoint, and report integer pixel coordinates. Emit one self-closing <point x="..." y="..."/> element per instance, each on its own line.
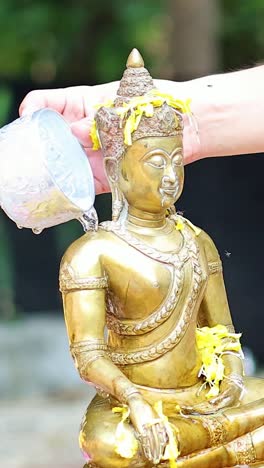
<point x="37" y="230"/>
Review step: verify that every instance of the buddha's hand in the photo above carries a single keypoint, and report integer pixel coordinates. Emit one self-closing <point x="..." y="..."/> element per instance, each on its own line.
<point x="149" y="428"/>
<point x="231" y="391"/>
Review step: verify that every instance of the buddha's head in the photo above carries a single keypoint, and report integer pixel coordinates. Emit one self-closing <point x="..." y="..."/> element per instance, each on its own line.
<point x="141" y="138"/>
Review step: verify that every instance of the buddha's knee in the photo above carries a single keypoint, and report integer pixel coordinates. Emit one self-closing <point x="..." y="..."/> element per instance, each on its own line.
<point x="98" y="445"/>
<point x="98" y="440"/>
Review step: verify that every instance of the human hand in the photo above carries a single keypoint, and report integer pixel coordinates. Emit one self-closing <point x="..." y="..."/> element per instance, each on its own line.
<point x="77" y="105"/>
<point x="150" y="429"/>
<point x="231" y="390"/>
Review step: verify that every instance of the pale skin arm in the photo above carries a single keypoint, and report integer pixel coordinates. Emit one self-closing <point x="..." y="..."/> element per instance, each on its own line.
<point x="228" y="111"/>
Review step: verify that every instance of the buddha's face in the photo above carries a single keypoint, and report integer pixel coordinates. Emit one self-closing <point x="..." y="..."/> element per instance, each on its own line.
<point x="151" y="173"/>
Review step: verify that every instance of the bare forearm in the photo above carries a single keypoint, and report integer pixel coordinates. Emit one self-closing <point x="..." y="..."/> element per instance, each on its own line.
<point x="228" y="109"/>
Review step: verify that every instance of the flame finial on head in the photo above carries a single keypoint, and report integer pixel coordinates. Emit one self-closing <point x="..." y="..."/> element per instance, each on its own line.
<point x="138" y="111"/>
<point x="135" y="59"/>
<point x="136" y="79"/>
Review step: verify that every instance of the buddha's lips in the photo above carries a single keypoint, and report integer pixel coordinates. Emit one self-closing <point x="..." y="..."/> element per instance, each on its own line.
<point x="169" y="191"/>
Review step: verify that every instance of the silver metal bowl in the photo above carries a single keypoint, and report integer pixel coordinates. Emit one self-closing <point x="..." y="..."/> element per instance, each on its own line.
<point x="45" y="176"/>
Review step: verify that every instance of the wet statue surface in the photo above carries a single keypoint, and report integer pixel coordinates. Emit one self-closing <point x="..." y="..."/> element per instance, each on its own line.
<point x="170" y="392"/>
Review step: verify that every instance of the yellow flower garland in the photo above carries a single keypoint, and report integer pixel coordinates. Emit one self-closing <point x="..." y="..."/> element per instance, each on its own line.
<point x="171" y="451"/>
<point x="212" y="344"/>
<point x="126" y="444"/>
<point x="135" y="109"/>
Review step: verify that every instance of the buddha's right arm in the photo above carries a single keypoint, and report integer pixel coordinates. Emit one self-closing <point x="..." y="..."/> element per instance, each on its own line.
<point x="83" y="284"/>
<point x="85" y="320"/>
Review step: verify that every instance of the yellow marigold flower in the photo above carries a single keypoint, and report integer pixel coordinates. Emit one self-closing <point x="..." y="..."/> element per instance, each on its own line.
<point x="126" y="445"/>
<point x="182" y="106"/>
<point x="212" y="343"/>
<point x="108" y="103"/>
<point x="148" y="110"/>
<point x="179" y="226"/>
<point x="94" y="137"/>
<point x="171" y="451"/>
<point x="133" y="110"/>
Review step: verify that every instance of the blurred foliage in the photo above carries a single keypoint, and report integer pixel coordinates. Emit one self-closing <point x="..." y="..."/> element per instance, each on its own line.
<point x="89" y="40"/>
<point x="241" y="33"/>
<point x="75" y="40"/>
<point x="6" y="100"/>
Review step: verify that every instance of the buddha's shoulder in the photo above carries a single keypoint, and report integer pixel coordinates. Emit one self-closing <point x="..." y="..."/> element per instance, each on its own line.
<point x="209" y="247"/>
<point x="88" y="248"/>
<point x="205" y="242"/>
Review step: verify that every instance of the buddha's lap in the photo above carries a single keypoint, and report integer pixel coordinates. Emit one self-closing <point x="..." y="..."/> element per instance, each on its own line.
<point x="98" y="432"/>
<point x="254" y="390"/>
<point x="99" y="425"/>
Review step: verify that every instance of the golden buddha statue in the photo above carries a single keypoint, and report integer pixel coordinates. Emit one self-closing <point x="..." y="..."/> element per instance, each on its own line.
<point x="154" y="282"/>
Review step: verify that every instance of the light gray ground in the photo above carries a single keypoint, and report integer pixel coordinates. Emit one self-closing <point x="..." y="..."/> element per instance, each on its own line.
<point x="42" y="398"/>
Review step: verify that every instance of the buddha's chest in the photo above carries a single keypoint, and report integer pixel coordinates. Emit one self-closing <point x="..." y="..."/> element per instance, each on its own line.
<point x="137" y="286"/>
<point x="143" y="279"/>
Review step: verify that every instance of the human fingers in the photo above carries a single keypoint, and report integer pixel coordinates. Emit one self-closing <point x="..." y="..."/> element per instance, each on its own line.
<point x="97" y="166"/>
<point x="69" y="102"/>
<point x="99" y="94"/>
<point x="81" y="129"/>
<point x="38" y="99"/>
<point x="92" y="96"/>
<point x="74" y="103"/>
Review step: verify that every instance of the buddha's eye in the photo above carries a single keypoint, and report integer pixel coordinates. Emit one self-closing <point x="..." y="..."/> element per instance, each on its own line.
<point x="156" y="161"/>
<point x="177" y="159"/>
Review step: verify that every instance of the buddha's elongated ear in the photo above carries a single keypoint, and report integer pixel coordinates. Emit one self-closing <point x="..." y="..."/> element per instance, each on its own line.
<point x="111" y="168"/>
<point x="112" y="172"/>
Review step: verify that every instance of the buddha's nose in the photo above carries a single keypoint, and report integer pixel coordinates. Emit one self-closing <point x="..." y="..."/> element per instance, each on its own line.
<point x="169" y="178"/>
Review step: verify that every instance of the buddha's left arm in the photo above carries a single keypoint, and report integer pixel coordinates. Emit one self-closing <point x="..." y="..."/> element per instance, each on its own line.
<point x="214" y="307"/>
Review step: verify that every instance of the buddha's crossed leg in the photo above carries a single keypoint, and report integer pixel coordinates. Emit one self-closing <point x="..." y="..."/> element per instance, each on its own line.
<point x="207" y="441"/>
